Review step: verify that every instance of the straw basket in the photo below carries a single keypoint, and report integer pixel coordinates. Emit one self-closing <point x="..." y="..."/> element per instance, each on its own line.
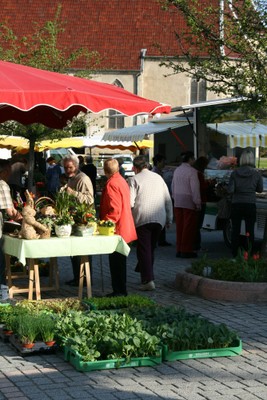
<point x="43" y="202"/>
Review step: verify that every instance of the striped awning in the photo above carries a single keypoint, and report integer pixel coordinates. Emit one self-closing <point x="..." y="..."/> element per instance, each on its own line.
<point x="139" y="132"/>
<point x="242" y="134"/>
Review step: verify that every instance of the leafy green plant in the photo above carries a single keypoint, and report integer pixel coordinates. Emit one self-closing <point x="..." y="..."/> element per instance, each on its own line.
<point x="63" y="203"/>
<point x="180" y="330"/>
<point x="47" y="327"/>
<point x="108" y="303"/>
<point x="83" y="214"/>
<point x="10" y="317"/>
<point x="244" y="268"/>
<point x="27" y="327"/>
<point x="54" y="306"/>
<point x="101" y="335"/>
<point x="5" y="309"/>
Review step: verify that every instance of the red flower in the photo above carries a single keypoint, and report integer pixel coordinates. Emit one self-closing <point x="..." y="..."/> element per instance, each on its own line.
<point x="245" y="255"/>
<point x="247" y="234"/>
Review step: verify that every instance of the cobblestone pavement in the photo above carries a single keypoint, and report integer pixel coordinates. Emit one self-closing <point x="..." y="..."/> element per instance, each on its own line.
<point x="227" y="378"/>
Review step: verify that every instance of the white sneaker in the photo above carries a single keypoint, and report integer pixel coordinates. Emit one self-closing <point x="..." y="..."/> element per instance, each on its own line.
<point x="147" y="286"/>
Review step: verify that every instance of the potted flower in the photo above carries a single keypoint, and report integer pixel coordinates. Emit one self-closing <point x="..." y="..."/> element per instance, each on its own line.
<point x="106" y="227"/>
<point x="64" y="220"/>
<point x="84" y="218"/>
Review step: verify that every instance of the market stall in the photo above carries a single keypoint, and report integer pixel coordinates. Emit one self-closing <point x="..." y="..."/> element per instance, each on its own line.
<point x="54" y="247"/>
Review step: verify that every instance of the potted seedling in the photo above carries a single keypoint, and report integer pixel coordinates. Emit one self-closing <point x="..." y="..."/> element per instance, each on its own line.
<point x="27" y="329"/>
<point x="64" y="220"/>
<point x="47" y="328"/>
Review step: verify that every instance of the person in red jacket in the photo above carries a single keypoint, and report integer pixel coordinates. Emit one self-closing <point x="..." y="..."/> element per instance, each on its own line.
<point x="115" y="206"/>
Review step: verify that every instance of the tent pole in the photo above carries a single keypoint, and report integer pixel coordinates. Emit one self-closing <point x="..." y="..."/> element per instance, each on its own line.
<point x="137" y="146"/>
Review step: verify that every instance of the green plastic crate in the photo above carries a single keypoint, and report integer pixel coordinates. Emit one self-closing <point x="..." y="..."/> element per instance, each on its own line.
<point x="85" y="366"/>
<point x="234" y="350"/>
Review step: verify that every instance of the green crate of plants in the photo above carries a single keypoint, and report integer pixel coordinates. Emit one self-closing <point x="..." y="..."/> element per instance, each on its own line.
<point x="77" y="362"/>
<point x="119" y="302"/>
<point x="104" y="340"/>
<point x="184" y="335"/>
<point x="234" y="350"/>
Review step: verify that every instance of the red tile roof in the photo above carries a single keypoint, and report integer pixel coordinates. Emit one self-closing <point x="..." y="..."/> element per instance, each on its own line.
<point x="117" y="29"/>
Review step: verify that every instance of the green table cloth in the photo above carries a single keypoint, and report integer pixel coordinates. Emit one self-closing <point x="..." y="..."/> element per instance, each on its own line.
<point x="61" y="247"/>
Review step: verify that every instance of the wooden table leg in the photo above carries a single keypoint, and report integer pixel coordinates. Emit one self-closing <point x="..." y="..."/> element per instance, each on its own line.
<point x="8" y="270"/>
<point x="88" y="277"/>
<point x="85" y="273"/>
<point x="81" y="279"/>
<point x="30" y="262"/>
<point x="37" y="281"/>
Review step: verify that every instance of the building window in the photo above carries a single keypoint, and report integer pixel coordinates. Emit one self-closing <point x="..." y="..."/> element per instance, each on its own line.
<point x="198" y="91"/>
<point x="115" y="120"/>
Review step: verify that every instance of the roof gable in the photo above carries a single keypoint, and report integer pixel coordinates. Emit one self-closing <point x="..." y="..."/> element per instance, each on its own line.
<point x="117" y="29"/>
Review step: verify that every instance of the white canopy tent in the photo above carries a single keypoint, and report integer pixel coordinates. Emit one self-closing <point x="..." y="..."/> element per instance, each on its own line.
<point x="242" y="134"/>
<point x="21" y="144"/>
<point x="140" y="132"/>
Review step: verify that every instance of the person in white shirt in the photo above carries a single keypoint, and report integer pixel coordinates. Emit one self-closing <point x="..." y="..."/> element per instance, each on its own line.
<point x="152" y="210"/>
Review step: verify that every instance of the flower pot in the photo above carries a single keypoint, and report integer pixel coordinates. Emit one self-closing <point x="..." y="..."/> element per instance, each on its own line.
<point x="106" y="230"/>
<point x="8" y="332"/>
<point x="28" y="345"/>
<point x="85" y="230"/>
<point x="50" y="343"/>
<point x="63" y="231"/>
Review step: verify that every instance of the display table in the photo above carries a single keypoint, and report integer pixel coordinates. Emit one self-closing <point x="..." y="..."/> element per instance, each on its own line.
<point x="52" y="248"/>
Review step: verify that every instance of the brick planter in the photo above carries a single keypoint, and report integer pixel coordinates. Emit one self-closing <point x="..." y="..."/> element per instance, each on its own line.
<point x="210" y="289"/>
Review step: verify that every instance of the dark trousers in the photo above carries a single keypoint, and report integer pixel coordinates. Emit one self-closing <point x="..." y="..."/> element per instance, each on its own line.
<point x="117" y="266"/>
<point x="2" y="264"/>
<point x="239" y="212"/>
<point x="162" y="236"/>
<point x="148" y="236"/>
<point x="76" y="263"/>
<point x="186" y="227"/>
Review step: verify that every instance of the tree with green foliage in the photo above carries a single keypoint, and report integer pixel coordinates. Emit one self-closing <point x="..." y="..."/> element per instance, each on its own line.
<point x="41" y="50"/>
<point x="224" y="43"/>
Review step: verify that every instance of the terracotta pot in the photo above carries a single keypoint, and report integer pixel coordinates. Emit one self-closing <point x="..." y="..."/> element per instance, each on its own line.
<point x="28" y="345"/>
<point x="8" y="332"/>
<point x="50" y="343"/>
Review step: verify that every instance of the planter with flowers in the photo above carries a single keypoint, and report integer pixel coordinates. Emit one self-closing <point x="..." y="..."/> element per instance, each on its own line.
<point x="64" y="220"/>
<point x="242" y="279"/>
<point x="84" y="218"/>
<point x="106" y="227"/>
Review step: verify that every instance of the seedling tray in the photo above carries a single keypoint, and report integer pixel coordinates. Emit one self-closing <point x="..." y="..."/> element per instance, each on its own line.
<point x="234" y="350"/>
<point x="39" y="347"/>
<point x="76" y="361"/>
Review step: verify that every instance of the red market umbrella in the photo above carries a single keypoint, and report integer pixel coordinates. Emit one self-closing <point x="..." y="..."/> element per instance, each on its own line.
<point x="29" y="95"/>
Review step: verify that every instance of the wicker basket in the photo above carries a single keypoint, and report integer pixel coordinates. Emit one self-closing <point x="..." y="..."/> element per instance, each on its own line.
<point x="43" y="201"/>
